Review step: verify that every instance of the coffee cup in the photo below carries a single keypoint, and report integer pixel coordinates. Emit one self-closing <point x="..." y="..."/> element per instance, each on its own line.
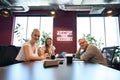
<point x="69" y="59"/>
<point x="52" y="56"/>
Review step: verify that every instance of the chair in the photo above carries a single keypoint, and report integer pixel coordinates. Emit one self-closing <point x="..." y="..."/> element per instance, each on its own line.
<point x="10" y="55"/>
<point x="2" y="51"/>
<point x="108" y="53"/>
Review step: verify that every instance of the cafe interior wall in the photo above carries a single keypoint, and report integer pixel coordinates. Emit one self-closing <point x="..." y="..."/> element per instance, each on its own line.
<point x="64" y="21"/>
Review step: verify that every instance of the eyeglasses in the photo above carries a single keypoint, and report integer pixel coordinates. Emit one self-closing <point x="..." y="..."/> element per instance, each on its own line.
<point x="81" y="43"/>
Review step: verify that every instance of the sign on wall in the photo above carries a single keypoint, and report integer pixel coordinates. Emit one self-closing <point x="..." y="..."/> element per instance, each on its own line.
<point x="64" y="36"/>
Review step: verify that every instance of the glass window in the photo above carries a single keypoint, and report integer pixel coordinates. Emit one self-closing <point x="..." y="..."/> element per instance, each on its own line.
<point x="33" y="22"/>
<point x="47" y="25"/>
<point x="20" y="30"/>
<point x="97" y="28"/>
<point x="25" y="25"/>
<point x="112" y="31"/>
<point x="83" y="27"/>
<point x="103" y="29"/>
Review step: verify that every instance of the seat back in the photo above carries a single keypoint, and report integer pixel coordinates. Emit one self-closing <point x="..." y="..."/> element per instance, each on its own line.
<point x="108" y="53"/>
<point x="2" y="51"/>
<point x="10" y="55"/>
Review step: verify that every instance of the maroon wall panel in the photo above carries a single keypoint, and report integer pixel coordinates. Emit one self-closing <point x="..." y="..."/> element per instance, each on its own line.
<point x="6" y="24"/>
<point x="65" y="21"/>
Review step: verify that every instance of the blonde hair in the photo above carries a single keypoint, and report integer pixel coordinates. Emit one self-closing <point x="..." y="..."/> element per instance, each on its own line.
<point x="82" y="39"/>
<point x="35" y="30"/>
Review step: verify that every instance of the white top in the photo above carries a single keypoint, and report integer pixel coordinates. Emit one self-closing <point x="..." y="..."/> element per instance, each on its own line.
<point x="21" y="54"/>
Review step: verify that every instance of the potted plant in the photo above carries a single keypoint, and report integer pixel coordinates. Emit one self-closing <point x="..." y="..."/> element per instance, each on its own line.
<point x="44" y="37"/>
<point x="17" y="32"/>
<point x="92" y="40"/>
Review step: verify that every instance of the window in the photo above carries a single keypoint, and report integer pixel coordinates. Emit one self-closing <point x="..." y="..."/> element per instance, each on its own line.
<point x="105" y="29"/>
<point x="25" y="25"/>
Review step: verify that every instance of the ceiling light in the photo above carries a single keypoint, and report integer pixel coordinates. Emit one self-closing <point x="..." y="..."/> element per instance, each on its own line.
<point x="109" y="11"/>
<point x="52" y="12"/>
<point x="5" y="12"/>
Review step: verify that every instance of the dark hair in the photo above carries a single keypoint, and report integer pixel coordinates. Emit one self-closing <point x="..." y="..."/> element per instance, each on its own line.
<point x="46" y="45"/>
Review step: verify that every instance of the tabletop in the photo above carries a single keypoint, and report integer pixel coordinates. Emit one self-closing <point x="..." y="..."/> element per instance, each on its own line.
<point x="78" y="70"/>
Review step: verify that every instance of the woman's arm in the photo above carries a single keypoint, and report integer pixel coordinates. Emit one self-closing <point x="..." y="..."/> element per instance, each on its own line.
<point x="53" y="50"/>
<point x="29" y="54"/>
<point x="41" y="52"/>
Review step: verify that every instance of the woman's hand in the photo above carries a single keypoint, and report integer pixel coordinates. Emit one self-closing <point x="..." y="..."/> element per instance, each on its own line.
<point x="47" y="55"/>
<point x="43" y="57"/>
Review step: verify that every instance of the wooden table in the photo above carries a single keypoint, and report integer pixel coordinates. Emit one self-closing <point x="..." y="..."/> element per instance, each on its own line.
<point x="78" y="70"/>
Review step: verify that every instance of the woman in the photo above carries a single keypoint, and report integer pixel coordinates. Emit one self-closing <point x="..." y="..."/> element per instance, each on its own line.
<point x="30" y="50"/>
<point x="48" y="48"/>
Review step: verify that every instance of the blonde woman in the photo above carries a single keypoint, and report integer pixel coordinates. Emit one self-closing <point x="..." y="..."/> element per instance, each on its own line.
<point x="30" y="50"/>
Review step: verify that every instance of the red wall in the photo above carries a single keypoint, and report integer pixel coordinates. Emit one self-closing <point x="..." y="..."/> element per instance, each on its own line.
<point x="6" y="24"/>
<point x="65" y="21"/>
